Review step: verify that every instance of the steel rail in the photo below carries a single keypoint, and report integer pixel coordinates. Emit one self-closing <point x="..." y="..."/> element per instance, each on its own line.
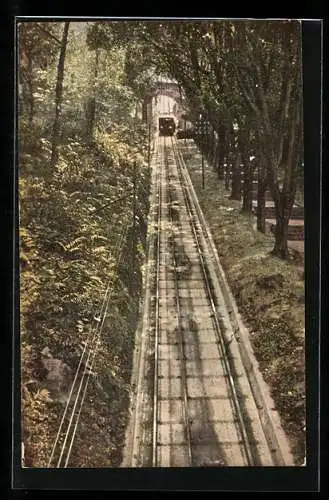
<point x="156" y="330"/>
<point x="179" y="323"/>
<point x="189" y="204"/>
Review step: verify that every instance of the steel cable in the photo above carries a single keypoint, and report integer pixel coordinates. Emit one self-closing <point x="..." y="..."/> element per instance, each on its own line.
<point x="93" y="334"/>
<point x="91" y="365"/>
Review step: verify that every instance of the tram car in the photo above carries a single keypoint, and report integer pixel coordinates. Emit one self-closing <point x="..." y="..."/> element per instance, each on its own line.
<point x="167" y="125"/>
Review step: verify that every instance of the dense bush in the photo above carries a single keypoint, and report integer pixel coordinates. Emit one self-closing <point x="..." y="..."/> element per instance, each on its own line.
<point x="73" y="216"/>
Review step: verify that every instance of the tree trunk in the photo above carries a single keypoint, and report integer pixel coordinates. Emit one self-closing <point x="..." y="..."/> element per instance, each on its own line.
<point x="284" y="199"/>
<point x="91" y="107"/>
<point x="30" y="87"/>
<point x="283" y="206"/>
<point x="227" y="169"/>
<point x="281" y="238"/>
<point x="221" y="151"/>
<point x="236" y="179"/>
<point x="90" y="117"/>
<point x="261" y="188"/>
<point x="144" y="110"/>
<point x="215" y="159"/>
<point x="213" y="147"/>
<point x="220" y="161"/>
<point x="247" y="186"/>
<point x="58" y="97"/>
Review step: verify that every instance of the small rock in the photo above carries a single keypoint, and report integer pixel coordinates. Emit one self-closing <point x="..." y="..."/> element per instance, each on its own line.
<point x="59" y="375"/>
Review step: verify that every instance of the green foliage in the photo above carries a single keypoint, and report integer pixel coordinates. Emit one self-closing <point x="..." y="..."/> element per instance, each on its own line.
<point x="70" y="229"/>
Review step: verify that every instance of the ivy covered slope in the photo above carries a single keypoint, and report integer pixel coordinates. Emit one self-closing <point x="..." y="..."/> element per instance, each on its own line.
<point x="81" y="145"/>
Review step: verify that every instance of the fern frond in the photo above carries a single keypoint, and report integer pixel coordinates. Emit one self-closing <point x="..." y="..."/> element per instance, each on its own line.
<point x="75" y="244"/>
<point x="100" y="250"/>
<point x="60" y="245"/>
<point x="98" y="237"/>
<point x="96" y="278"/>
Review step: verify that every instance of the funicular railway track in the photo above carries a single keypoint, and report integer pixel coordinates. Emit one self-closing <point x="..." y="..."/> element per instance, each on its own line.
<point x="194" y="406"/>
